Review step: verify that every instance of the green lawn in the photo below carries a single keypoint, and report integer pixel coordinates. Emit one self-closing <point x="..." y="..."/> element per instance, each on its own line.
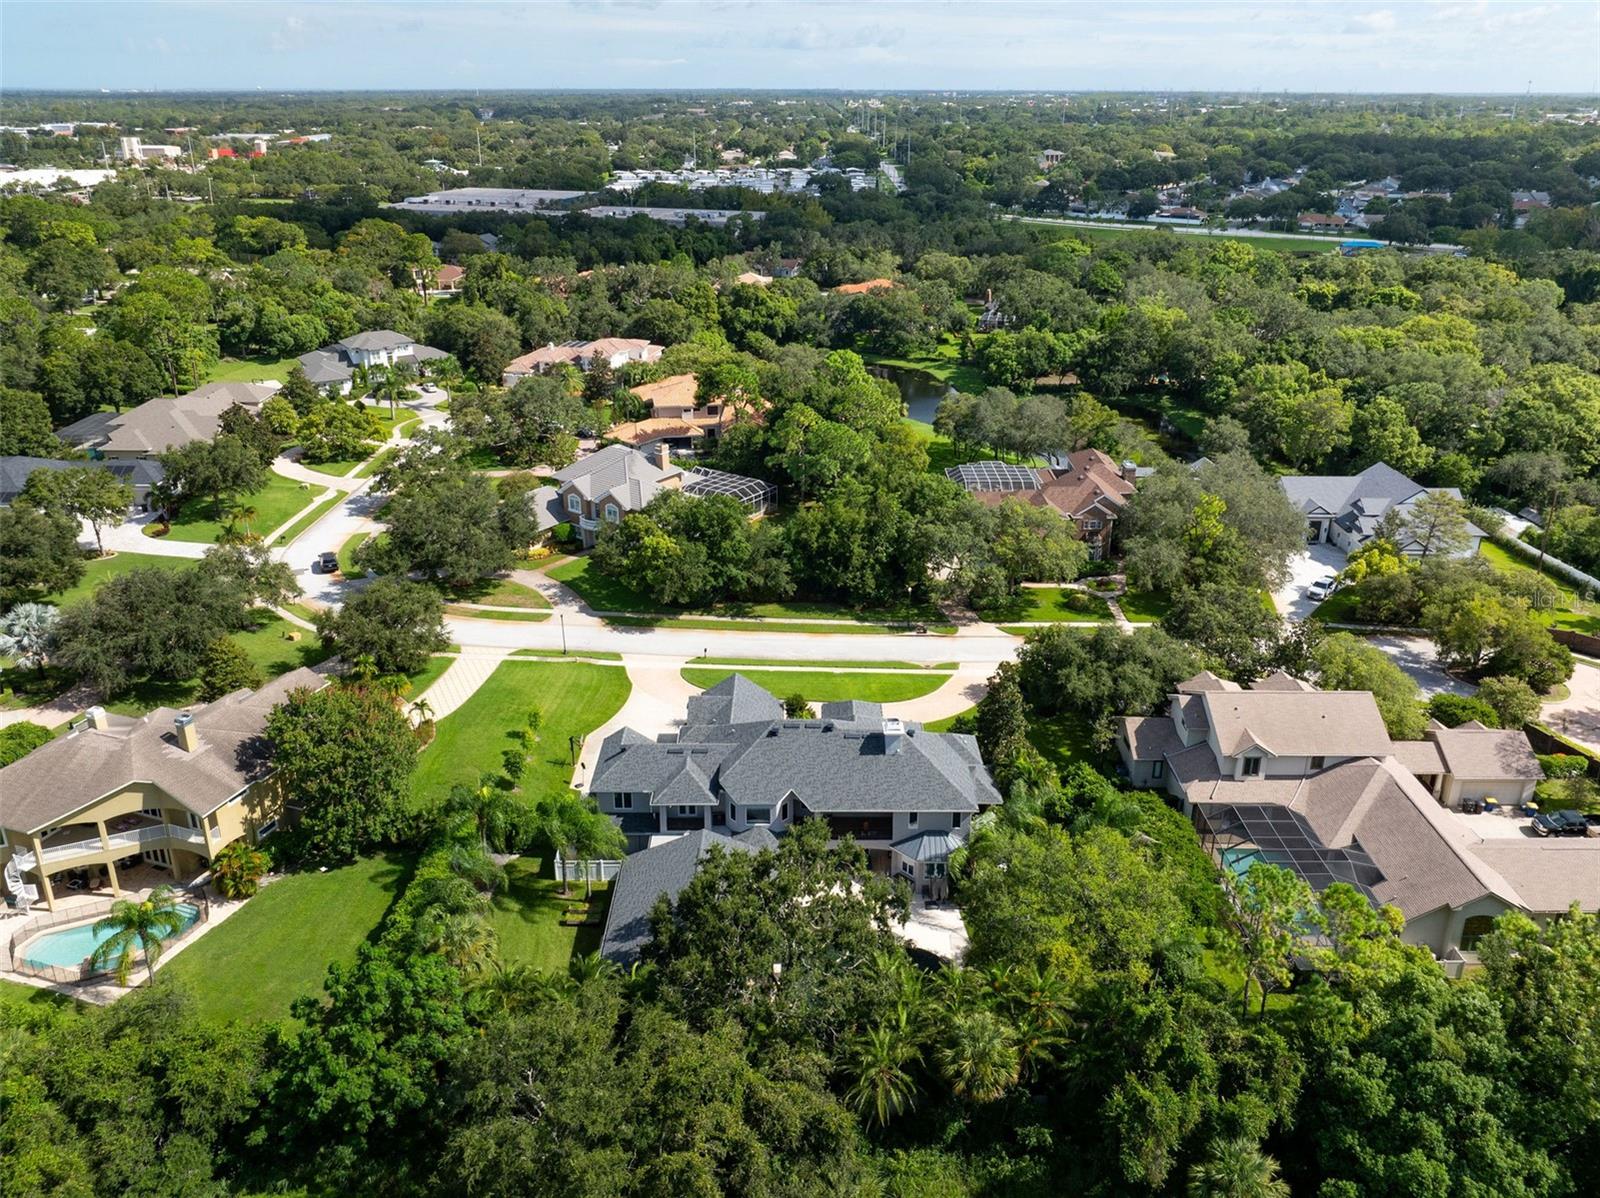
<point x="1144" y="607"/>
<point x="590" y="654"/>
<point x="496" y="592"/>
<point x="825" y="686"/>
<point x="268" y="645"/>
<point x="279" y="945"/>
<point x="479" y="613"/>
<point x="337" y="469"/>
<point x="15" y="995"/>
<point x="574" y="697"/>
<point x="428" y="675"/>
<point x="102" y="568"/>
<point x="1036" y="604"/>
<point x="311" y="517"/>
<point x="604" y="593"/>
<point x="942" y="363"/>
<point x="250" y="370"/>
<point x="347" y="551"/>
<point x="527" y="918"/>
<point x="1574" y="612"/>
<point x="819" y="665"/>
<point x="1061" y="739"/>
<point x="377" y="463"/>
<point x="274" y="503"/>
<point x="1338" y="608"/>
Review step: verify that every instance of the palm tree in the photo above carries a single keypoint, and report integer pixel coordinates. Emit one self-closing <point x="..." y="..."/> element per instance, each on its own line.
<point x="463" y="938"/>
<point x="555" y="823"/>
<point x="423" y="710"/>
<point x="364" y="668"/>
<point x="880" y="1064"/>
<point x="1236" y="1169"/>
<point x="591" y="966"/>
<point x="979" y="1058"/>
<point x="473" y="863"/>
<point x="137" y="927"/>
<point x="595" y="836"/>
<point x="245" y="514"/>
<point x="510" y="988"/>
<point x="499" y="816"/>
<point x="28" y="634"/>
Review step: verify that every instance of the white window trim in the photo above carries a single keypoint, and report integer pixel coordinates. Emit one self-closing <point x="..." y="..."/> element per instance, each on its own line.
<point x="574" y="503"/>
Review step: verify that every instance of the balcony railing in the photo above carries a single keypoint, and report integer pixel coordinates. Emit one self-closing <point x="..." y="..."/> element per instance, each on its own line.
<point x="134" y="839"/>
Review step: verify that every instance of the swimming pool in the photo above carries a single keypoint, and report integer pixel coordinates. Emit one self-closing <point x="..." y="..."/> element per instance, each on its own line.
<point x="72" y="946"/>
<point x="1239" y="860"/>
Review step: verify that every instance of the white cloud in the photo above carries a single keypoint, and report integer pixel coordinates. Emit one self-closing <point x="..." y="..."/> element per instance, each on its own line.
<point x="1380" y="21"/>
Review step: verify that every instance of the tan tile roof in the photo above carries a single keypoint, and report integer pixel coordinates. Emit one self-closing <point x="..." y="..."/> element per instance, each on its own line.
<point x="862" y="287"/>
<point x="1486" y="753"/>
<point x="1298" y="723"/>
<point x="643" y="432"/>
<point x="64" y="776"/>
<point x="676" y="390"/>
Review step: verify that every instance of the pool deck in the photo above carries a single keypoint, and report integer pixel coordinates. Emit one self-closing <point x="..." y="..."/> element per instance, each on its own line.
<point x="104" y="990"/>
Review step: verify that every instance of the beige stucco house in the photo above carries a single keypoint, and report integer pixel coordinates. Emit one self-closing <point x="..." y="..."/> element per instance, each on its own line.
<point x="1288" y="775"/>
<point x="168" y="790"/>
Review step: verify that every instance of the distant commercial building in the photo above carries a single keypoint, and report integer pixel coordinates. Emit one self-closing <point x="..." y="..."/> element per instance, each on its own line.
<point x="485" y="199"/>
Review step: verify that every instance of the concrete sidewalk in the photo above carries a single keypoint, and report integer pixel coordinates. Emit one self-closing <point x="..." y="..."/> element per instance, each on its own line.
<point x="461" y="679"/>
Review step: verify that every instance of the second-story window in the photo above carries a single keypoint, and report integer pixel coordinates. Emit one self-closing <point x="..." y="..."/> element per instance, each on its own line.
<point x="622" y="802"/>
<point x="574" y="504"/>
<point x="911" y="820"/>
<point x="611" y="512"/>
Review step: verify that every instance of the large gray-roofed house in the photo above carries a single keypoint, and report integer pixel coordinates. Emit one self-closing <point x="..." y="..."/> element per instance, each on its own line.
<point x="662" y="871"/>
<point x="158" y="425"/>
<point x="139" y="473"/>
<point x="1344" y="510"/>
<point x="335" y="365"/>
<point x="605" y="486"/>
<point x="738" y="763"/>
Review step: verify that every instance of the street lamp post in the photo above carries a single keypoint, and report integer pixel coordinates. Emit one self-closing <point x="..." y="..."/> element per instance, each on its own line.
<point x="562" y="616"/>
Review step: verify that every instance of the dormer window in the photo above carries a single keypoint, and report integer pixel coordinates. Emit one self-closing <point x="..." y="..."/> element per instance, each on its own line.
<point x="1252" y="767"/>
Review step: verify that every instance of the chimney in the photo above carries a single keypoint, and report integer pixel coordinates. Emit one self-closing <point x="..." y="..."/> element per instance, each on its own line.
<point x="188" y="736"/>
<point x="894" y="735"/>
<point x="1129" y="470"/>
<point x="662" y="454"/>
<point x="97" y="718"/>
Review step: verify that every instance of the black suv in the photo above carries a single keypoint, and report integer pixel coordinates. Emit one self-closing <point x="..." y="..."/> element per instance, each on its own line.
<point x="328" y="563"/>
<point x="1560" y="823"/>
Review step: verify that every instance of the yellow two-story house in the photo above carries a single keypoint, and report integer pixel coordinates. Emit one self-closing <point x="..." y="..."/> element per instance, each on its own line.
<point x="168" y="790"/>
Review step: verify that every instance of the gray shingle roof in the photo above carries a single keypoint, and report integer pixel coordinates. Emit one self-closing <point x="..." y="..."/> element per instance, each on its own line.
<point x="664" y="869"/>
<point x="324" y="366"/>
<point x="1331" y="494"/>
<point x="738" y="740"/>
<point x="376" y="339"/>
<point x="14" y="472"/>
<point x="161" y="424"/>
<point x="624" y="474"/>
<point x="62" y="777"/>
<point x="1298" y="723"/>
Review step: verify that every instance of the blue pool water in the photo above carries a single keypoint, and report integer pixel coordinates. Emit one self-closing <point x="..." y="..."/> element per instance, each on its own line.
<point x="71" y="946"/>
<point x="1239" y="860"/>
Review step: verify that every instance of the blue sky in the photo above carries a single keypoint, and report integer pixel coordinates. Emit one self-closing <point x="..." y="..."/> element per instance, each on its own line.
<point x="1403" y="45"/>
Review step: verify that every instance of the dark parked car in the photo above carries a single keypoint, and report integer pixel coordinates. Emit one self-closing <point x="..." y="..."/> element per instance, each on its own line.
<point x="1560" y="823"/>
<point x="328" y="563"/>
